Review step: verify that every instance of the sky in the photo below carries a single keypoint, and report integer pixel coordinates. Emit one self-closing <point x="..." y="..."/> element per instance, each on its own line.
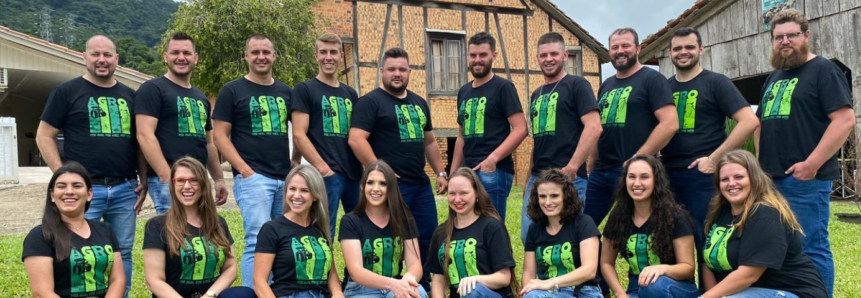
<point x="601" y="17"/>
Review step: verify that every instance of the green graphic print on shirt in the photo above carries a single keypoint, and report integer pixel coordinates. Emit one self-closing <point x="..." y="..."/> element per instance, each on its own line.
<point x="777" y="100"/>
<point x="463" y="260"/>
<point x="383" y="256"/>
<point x="686" y="106"/>
<point x="201" y="261"/>
<point x="91" y="270"/>
<point x="471" y="112"/>
<point x="411" y="123"/>
<point x="192" y="117"/>
<point x="614" y="107"/>
<point x="554" y="261"/>
<point x="715" y="248"/>
<point x="337" y="113"/>
<point x="639" y="253"/>
<point x="269" y="116"/>
<point x="313" y="259"/>
<point x="109" y="117"/>
<point x="544" y="115"/>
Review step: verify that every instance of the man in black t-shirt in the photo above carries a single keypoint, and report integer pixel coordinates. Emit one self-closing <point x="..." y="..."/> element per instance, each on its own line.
<point x="565" y="121"/>
<point x="394" y="124"/>
<point x="806" y="114"/>
<point x="322" y="111"/>
<point x="94" y="113"/>
<point x="172" y="118"/>
<point x="704" y="100"/>
<point x="637" y="115"/>
<point x="491" y="123"/>
<point x="250" y="131"/>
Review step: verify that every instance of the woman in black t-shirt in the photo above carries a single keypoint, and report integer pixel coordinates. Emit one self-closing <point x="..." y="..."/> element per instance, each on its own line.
<point x="754" y="242"/>
<point x="378" y="238"/>
<point x="295" y="248"/>
<point x="68" y="255"/>
<point x="187" y="251"/>
<point x="471" y="251"/>
<point x="561" y="249"/>
<point x="651" y="232"/>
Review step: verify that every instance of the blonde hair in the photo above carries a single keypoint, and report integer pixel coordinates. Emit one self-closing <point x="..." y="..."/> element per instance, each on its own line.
<point x="320" y="207"/>
<point x="329" y="38"/>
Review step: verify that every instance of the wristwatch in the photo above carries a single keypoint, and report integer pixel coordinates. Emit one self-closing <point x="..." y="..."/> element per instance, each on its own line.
<point x="444" y="175"/>
<point x="210" y="294"/>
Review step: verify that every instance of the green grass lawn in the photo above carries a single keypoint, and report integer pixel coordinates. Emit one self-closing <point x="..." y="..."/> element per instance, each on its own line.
<point x="844" y="242"/>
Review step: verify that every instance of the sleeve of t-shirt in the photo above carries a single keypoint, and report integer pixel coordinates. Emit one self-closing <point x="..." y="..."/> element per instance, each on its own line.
<point x="224" y="226"/>
<point x="300" y="100"/>
<point x="289" y="102"/>
<point x="153" y="234"/>
<point x="432" y="263"/>
<point x="833" y="89"/>
<point x="763" y="241"/>
<point x="426" y="107"/>
<point x="510" y="100"/>
<point x="498" y="243"/>
<point x="659" y="92"/>
<point x="148" y="101"/>
<point x="208" y="105"/>
<point x="267" y="239"/>
<point x="585" y="96"/>
<point x="223" y="110"/>
<point x="35" y="245"/>
<point x="586" y="228"/>
<point x="365" y="114"/>
<point x="728" y="97"/>
<point x="349" y="228"/>
<point x="683" y="226"/>
<point x="57" y="108"/>
<point x="531" y="234"/>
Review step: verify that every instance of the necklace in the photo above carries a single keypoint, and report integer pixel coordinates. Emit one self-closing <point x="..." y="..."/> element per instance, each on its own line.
<point x="541" y="90"/>
<point x="78" y="228"/>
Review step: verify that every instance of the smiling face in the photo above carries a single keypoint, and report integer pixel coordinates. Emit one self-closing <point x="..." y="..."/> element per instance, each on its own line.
<point x="552" y="57"/>
<point x="375" y="189"/>
<point x="180" y="57"/>
<point x="550" y="199"/>
<point x="298" y="196"/>
<point x="186" y="187"/>
<point x="70" y="194"/>
<point x="685" y="51"/>
<point x="480" y="59"/>
<point x="101" y="57"/>
<point x="461" y="195"/>
<point x="623" y="51"/>
<point x="328" y="56"/>
<point x="260" y="54"/>
<point x="734" y="184"/>
<point x="640" y="180"/>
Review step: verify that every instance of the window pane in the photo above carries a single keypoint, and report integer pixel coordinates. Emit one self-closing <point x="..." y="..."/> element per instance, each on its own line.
<point x="436" y="47"/>
<point x="453" y="81"/>
<point x="437" y="81"/>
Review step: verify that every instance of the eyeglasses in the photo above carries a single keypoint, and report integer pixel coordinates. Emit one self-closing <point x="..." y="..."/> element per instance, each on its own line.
<point x="181" y="182"/>
<point x="790" y="36"/>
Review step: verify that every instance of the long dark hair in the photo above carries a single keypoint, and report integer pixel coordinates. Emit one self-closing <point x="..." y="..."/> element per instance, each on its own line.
<point x="54" y="230"/>
<point x="620" y="224"/>
<point x="571" y="204"/>
<point x="399" y="214"/>
<point x="175" y="221"/>
<point x="482" y="207"/>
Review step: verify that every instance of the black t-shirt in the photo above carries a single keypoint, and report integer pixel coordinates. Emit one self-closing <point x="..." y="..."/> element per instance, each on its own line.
<point x="397" y="128"/>
<point x="183" y="118"/>
<point x="382" y="253"/>
<point x="703" y="104"/>
<point x="259" y="115"/>
<point x="303" y="256"/>
<point x="483" y="118"/>
<point x="794" y="114"/>
<point x="643" y="93"/>
<point x="481" y="248"/>
<point x="87" y="270"/>
<point x="199" y="262"/>
<point x="329" y="111"/>
<point x="638" y="249"/>
<point x="764" y="242"/>
<point x="555" y="113"/>
<point x="557" y="255"/>
<point x="98" y="126"/>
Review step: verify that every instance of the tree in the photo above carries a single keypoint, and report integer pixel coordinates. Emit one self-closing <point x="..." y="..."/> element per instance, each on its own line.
<point x="137" y="56"/>
<point x="220" y="28"/>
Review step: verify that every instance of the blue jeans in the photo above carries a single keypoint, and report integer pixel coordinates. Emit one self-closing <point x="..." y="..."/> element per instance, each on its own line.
<point x="116" y="204"/>
<point x="420" y="200"/>
<point x="160" y="194"/>
<point x="809" y="201"/>
<point x="343" y="190"/>
<point x="237" y="292"/>
<point x="664" y="287"/>
<point x="306" y="294"/>
<point x="260" y="199"/>
<point x="525" y="221"/>
<point x="600" y="192"/>
<point x="693" y="190"/>
<point x="498" y="186"/>
<point x="355" y="290"/>
<point x="481" y="292"/>
<point x="762" y="293"/>
<point x="568" y="292"/>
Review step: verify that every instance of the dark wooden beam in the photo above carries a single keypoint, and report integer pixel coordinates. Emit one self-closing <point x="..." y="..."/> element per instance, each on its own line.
<point x="383" y="42"/>
<point x="526" y="58"/>
<point x="455" y="6"/>
<point x="428" y="53"/>
<point x="356" y="48"/>
<point x="502" y="45"/>
<point x="377" y="65"/>
<point x="401" y="26"/>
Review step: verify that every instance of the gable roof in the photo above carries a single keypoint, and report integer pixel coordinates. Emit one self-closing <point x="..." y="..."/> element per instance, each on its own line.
<point x="584" y="36"/>
<point x="64" y="53"/>
<point x="700" y="9"/>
